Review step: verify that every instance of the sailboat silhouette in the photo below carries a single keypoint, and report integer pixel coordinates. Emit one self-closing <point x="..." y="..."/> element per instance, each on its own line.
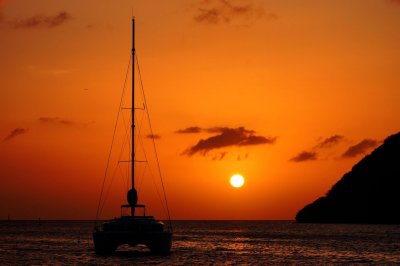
<point x="133" y="229"/>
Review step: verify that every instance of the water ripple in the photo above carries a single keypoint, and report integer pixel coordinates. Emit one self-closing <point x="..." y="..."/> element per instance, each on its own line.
<point x="207" y="243"/>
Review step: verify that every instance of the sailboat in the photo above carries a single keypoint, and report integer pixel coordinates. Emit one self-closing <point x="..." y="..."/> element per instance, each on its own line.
<point x="131" y="228"/>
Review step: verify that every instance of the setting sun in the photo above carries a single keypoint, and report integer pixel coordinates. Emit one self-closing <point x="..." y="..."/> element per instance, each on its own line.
<point x="237" y="181"/>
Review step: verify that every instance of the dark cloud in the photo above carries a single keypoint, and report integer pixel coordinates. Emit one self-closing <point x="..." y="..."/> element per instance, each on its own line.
<point x="16" y="132"/>
<point x="189" y="130"/>
<point x="223" y="129"/>
<point x="305" y="156"/>
<point x="219" y="156"/>
<point x="312" y="154"/>
<point x="214" y="129"/>
<point x="240" y="157"/>
<point x="211" y="130"/>
<point x="153" y="136"/>
<point x="395" y="1"/>
<point x="40" y="21"/>
<point x="329" y="142"/>
<point x="223" y="154"/>
<point x="224" y="11"/>
<point x="56" y="121"/>
<point x="228" y="137"/>
<point x="360" y="148"/>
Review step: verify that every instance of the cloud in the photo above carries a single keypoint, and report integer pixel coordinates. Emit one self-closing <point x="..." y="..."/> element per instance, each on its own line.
<point x="189" y="130"/>
<point x="312" y="154"/>
<point x="40" y="21"/>
<point x="212" y="130"/>
<point x="305" y="156"/>
<point x="56" y="121"/>
<point x="395" y="1"/>
<point x="360" y="148"/>
<point x="329" y="142"/>
<point x="224" y="129"/>
<point x="153" y="136"/>
<point x="219" y="156"/>
<point x="16" y="132"/>
<point x="224" y="11"/>
<point x="228" y="137"/>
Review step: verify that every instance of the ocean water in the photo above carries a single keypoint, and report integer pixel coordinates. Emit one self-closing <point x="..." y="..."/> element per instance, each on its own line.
<point x="207" y="243"/>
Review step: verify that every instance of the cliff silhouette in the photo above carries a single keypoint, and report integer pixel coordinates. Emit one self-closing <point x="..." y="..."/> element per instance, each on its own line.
<point x="369" y="193"/>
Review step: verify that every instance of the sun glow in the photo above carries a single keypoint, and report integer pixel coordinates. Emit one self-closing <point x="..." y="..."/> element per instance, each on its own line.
<point x="237" y="181"/>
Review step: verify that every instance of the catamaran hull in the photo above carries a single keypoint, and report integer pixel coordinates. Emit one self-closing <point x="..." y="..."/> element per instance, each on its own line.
<point x="106" y="242"/>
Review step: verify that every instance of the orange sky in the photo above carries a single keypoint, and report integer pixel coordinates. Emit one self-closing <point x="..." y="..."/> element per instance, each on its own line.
<point x="306" y="81"/>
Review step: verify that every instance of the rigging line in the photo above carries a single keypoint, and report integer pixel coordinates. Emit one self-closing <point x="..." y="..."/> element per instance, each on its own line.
<point x="124" y="122"/>
<point x="120" y="155"/>
<point x="115" y="170"/>
<point x="112" y="141"/>
<point x="138" y="137"/>
<point x="127" y="131"/>
<point x="130" y="150"/>
<point x="124" y="177"/>
<point x="140" y="126"/>
<point x="139" y="129"/>
<point x="141" y="144"/>
<point x="130" y="147"/>
<point x="166" y="210"/>
<point x="154" y="143"/>
<point x="142" y="178"/>
<point x="152" y="176"/>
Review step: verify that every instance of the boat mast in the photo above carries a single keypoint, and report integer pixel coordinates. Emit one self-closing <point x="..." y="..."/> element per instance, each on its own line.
<point x="133" y="118"/>
<point x="132" y="194"/>
<point x="133" y="103"/>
